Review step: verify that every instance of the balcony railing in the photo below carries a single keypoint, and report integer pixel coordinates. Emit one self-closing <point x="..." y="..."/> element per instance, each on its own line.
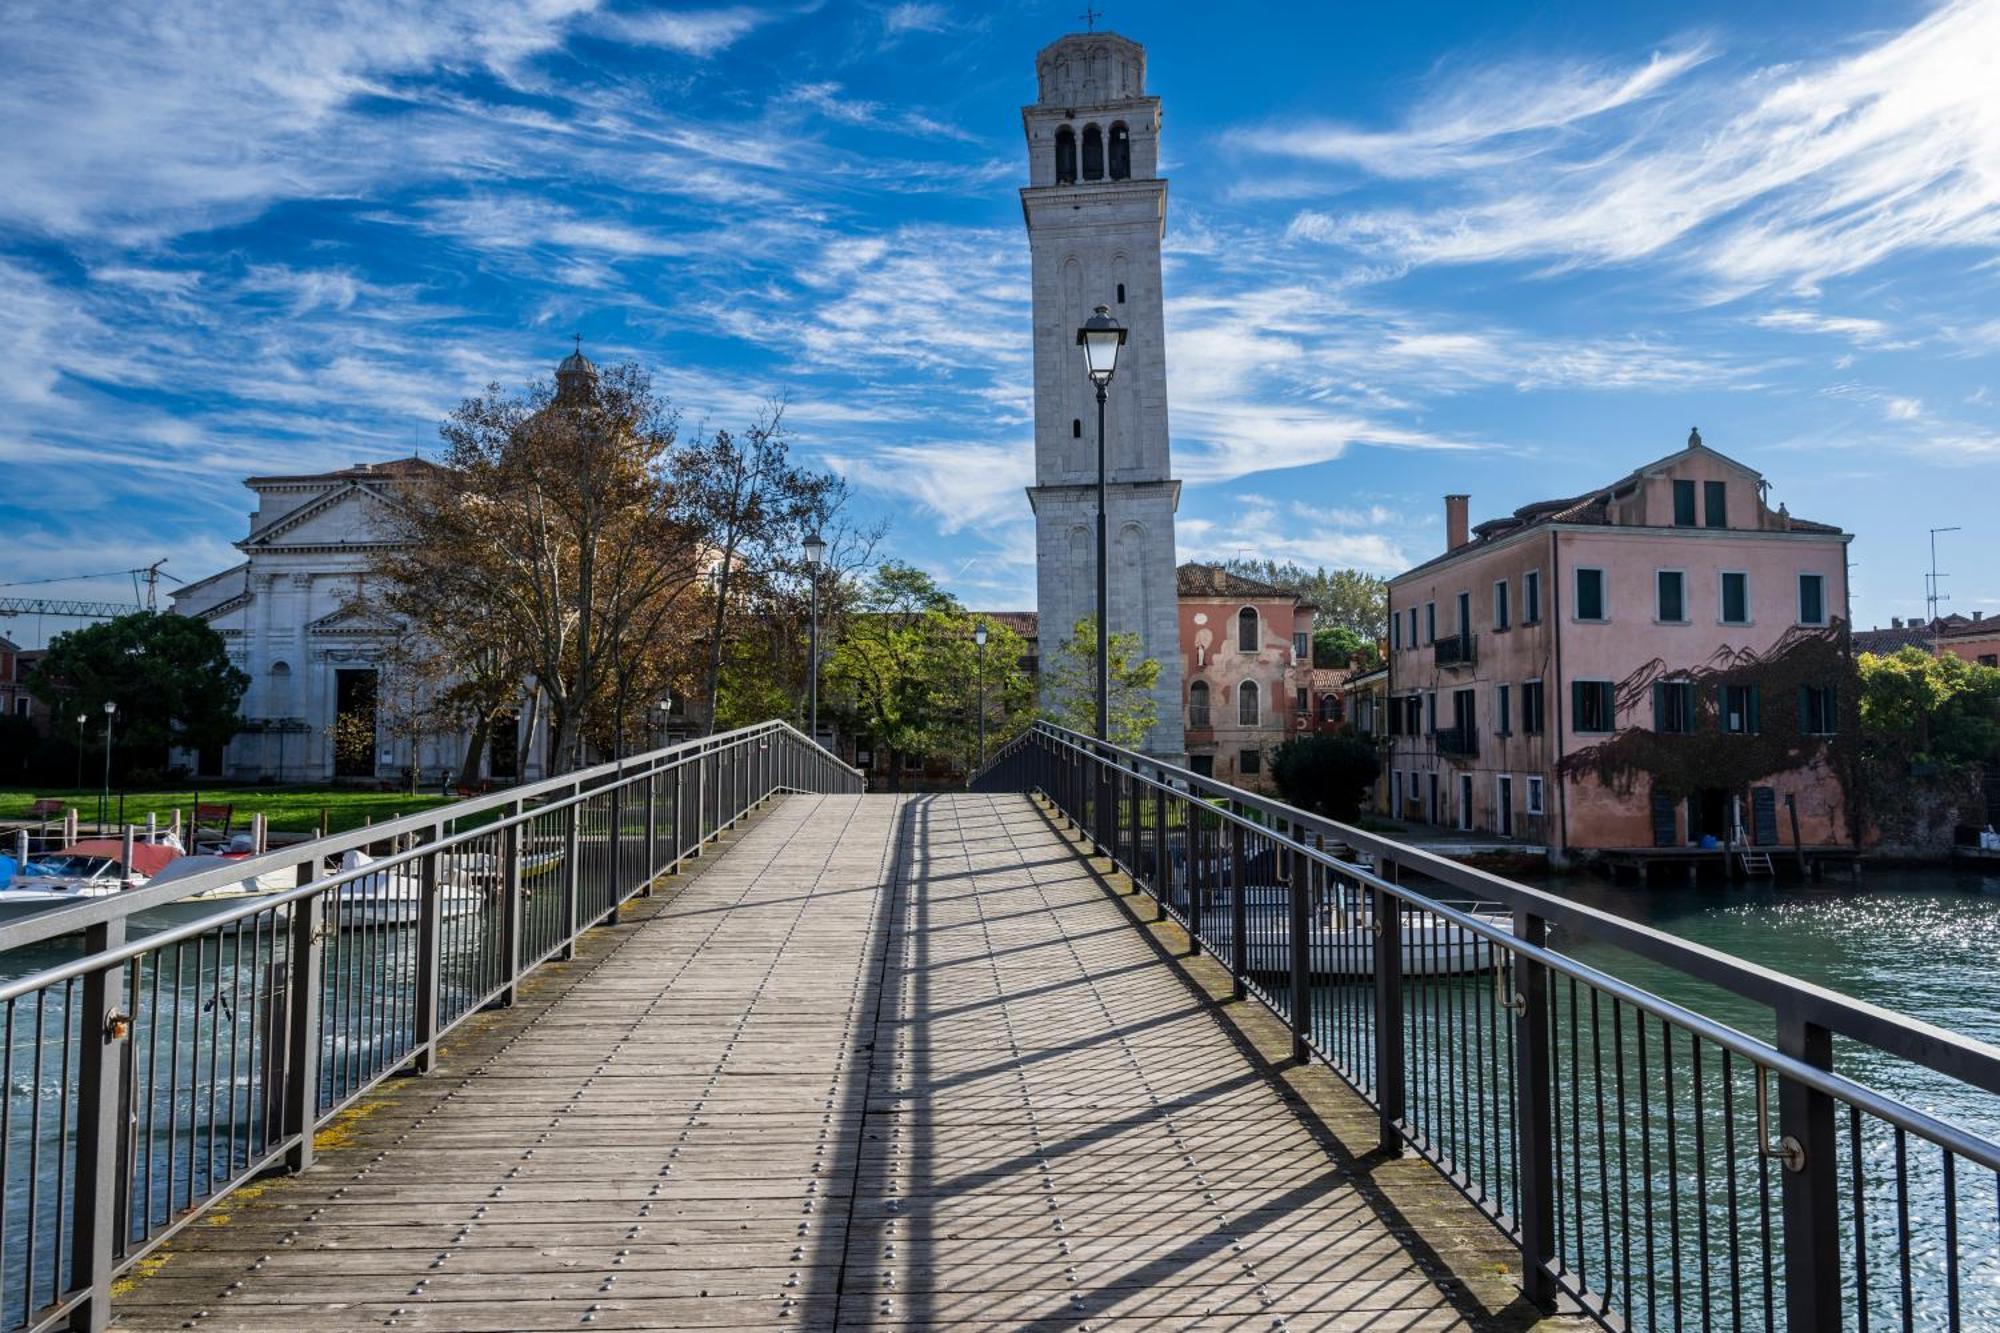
<point x="1458" y="740"/>
<point x="1460" y="650"/>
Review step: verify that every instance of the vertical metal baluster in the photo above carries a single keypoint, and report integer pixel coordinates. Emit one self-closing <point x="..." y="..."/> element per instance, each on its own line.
<point x="1860" y="1221"/>
<point x="1534" y="1092"/>
<point x="1301" y="927"/>
<point x="1646" y="1162"/>
<point x="1811" y="1196"/>
<point x="33" y="1211"/>
<point x="1576" y="1128"/>
<point x="302" y="1038"/>
<point x="212" y="1011"/>
<point x="430" y="956"/>
<point x="571" y="871"/>
<point x="93" y="1233"/>
<point x="652" y="867"/>
<point x="1729" y="1178"/>
<point x="1950" y="1238"/>
<point x="1239" y="928"/>
<point x="1389" y="1080"/>
<point x="172" y="1145"/>
<point x="1902" y="1227"/>
<point x="510" y="913"/>
<point x="1603" y="1144"/>
<point x="1698" y="1105"/>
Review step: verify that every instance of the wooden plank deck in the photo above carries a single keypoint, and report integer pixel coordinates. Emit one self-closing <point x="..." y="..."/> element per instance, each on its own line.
<point x="885" y="1062"/>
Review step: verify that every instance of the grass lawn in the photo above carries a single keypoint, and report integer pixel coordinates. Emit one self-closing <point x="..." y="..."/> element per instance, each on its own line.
<point x="289" y="809"/>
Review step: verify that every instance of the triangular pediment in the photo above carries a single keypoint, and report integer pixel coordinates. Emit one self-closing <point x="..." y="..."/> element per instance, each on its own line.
<point x="353" y="514"/>
<point x="356" y="619"/>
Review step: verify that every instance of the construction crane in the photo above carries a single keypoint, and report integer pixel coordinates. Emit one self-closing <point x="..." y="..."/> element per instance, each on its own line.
<point x="83" y="610"/>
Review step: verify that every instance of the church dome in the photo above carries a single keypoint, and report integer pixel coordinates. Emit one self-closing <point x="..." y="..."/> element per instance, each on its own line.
<point x="1090" y="69"/>
<point x="576" y="363"/>
<point x="576" y="377"/>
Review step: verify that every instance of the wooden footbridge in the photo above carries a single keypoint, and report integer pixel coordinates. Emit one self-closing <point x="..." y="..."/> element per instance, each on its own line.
<point x="711" y="1039"/>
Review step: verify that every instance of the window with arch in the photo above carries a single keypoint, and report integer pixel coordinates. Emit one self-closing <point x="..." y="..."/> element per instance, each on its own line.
<point x="1076" y="428"/>
<point x="1246" y="630"/>
<point x="1065" y="156"/>
<point x="1246" y="703"/>
<point x="1121" y="152"/>
<point x="1329" y="708"/>
<point x="1198" y="704"/>
<point x="281" y="686"/>
<point x="1093" y="153"/>
<point x="1121" y="293"/>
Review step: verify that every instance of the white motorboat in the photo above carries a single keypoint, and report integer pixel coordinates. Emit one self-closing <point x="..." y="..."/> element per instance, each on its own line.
<point x="89" y="868"/>
<point x="393" y="897"/>
<point x="1342" y="935"/>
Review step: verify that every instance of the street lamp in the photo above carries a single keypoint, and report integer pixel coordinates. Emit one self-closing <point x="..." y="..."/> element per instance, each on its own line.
<point x="662" y="707"/>
<point x="815" y="552"/>
<point x="81" y="718"/>
<point x="104" y="800"/>
<point x="979" y="637"/>
<point x="1100" y="338"/>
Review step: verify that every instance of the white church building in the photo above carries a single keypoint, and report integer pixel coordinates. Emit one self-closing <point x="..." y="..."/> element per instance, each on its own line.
<point x="287" y="614"/>
<point x="1096" y="207"/>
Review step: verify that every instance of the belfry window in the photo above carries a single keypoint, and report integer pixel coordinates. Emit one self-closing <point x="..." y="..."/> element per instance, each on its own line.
<point x="1093" y="153"/>
<point x="1121" y="293"/>
<point x="1121" y="153"/>
<point x="1076" y="428"/>
<point x="1065" y="156"/>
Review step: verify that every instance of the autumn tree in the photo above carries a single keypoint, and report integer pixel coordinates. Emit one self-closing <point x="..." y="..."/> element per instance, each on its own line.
<point x="549" y="539"/>
<point x="1350" y="599"/>
<point x="1069" y="685"/>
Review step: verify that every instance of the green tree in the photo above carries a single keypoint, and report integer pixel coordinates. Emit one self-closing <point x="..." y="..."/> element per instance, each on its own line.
<point x="1350" y="599"/>
<point x="1339" y="646"/>
<point x="906" y="672"/>
<point x="169" y="675"/>
<point x="1941" y="708"/>
<point x="1327" y="775"/>
<point x="1069" y="687"/>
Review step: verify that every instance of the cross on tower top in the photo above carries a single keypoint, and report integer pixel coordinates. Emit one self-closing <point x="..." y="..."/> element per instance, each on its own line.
<point x="1090" y="17"/>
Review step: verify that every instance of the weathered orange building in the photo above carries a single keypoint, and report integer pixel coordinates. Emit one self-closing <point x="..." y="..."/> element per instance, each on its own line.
<point x="1246" y="664"/>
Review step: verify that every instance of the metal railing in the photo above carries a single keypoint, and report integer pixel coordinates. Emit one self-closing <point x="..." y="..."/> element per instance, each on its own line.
<point x="1455" y="651"/>
<point x="1461" y="740"/>
<point x="1659" y="1167"/>
<point x="145" y="1078"/>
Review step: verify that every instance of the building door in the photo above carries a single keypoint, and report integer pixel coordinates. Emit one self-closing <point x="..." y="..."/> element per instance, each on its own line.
<point x="1465" y="802"/>
<point x="1503" y="800"/>
<point x="1437" y="801"/>
<point x="354" y="722"/>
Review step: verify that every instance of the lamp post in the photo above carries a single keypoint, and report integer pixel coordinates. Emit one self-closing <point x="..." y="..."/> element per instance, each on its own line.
<point x="104" y="800"/>
<point x="979" y="637"/>
<point x="1100" y="338"/>
<point x="81" y="718"/>
<point x="661" y="708"/>
<point x="815" y="552"/>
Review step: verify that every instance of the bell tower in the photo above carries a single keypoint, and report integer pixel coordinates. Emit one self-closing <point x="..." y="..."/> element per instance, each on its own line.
<point x="1096" y="209"/>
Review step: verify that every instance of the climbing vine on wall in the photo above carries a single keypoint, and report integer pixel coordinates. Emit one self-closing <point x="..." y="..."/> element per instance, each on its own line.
<point x="1709" y="757"/>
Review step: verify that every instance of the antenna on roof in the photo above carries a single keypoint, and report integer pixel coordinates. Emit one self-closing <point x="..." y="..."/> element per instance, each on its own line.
<point x="1931" y="594"/>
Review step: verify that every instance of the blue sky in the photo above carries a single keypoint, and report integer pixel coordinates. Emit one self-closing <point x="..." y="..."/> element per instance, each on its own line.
<point x="1412" y="249"/>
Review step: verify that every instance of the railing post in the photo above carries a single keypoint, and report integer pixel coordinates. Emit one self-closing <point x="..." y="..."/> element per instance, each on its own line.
<point x="1535" y="1116"/>
<point x="572" y="870"/>
<point x="702" y="784"/>
<point x="680" y="818"/>
<point x="614" y="861"/>
<point x="1388" y="960"/>
<point x="1163" y="875"/>
<point x="652" y="832"/>
<point x="302" y="984"/>
<point x="430" y="911"/>
<point x="1239" y="913"/>
<point x="1300" y="955"/>
<point x="1811" y="1191"/>
<point x="1201" y="872"/>
<point x="102" y="1030"/>
<point x="510" y="913"/>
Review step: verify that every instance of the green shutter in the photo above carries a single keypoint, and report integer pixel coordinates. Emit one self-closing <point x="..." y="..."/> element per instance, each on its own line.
<point x="1752" y="724"/>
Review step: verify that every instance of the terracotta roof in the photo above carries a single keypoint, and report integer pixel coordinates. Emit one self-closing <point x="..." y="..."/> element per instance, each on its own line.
<point x="1027" y="624"/>
<point x="1198" y="580"/>
<point x="1883" y="642"/>
<point x="1967" y="627"/>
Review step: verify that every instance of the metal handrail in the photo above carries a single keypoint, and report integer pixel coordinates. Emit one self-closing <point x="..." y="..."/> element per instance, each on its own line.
<point x="50" y="925"/>
<point x="316" y="994"/>
<point x="1854" y="1160"/>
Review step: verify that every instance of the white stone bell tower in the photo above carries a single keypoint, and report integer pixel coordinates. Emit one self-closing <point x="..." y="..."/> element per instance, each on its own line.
<point x="1096" y="208"/>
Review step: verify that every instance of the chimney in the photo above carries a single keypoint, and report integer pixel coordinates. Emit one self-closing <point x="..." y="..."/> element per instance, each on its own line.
<point x="1457" y="531"/>
<point x="1895" y="622"/>
<point x="1979" y="615"/>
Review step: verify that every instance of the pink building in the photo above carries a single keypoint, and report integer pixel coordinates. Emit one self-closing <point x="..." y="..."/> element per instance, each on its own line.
<point x="1246" y="664"/>
<point x="1647" y="665"/>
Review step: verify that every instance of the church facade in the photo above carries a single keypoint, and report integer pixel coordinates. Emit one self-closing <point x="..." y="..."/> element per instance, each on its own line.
<point x="316" y="663"/>
<point x="1095" y="208"/>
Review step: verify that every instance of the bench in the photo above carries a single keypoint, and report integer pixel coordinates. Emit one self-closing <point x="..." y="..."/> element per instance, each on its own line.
<point x="47" y="807"/>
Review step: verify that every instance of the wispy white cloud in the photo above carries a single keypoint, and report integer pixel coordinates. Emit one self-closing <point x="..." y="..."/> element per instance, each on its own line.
<point x="694" y="32"/>
<point x="1792" y="174"/>
<point x="914" y="17"/>
<point x="1865" y="332"/>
